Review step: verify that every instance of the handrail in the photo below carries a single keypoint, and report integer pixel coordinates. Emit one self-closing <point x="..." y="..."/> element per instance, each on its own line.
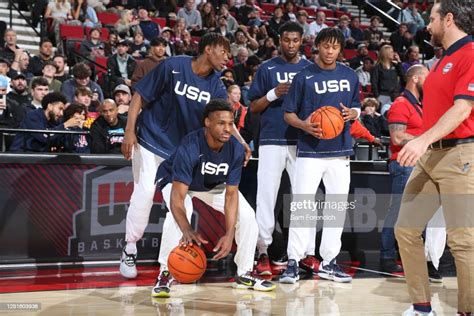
<point x="12" y="5"/>
<point x="43" y="131"/>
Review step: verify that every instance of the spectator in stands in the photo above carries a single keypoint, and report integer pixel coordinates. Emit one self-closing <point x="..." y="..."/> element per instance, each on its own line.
<point x="372" y="119"/>
<point x="20" y="65"/>
<point x="244" y="72"/>
<point x="386" y="75"/>
<point x="118" y="6"/>
<point x="45" y="54"/>
<point x="373" y="35"/>
<point x="49" y="71"/>
<point x="208" y="17"/>
<point x="81" y="78"/>
<point x="438" y="53"/>
<point x="93" y="47"/>
<point x="59" y="12"/>
<point x="60" y="62"/>
<point x="222" y="28"/>
<point x="75" y="143"/>
<point x="19" y="90"/>
<point x="82" y="12"/>
<point x="4" y="70"/>
<point x="11" y="112"/>
<point x="127" y="25"/>
<point x="110" y="45"/>
<point x="266" y="49"/>
<point x="232" y="24"/>
<point x="156" y="54"/>
<point x="401" y="39"/>
<point x="148" y="27"/>
<point x="290" y="11"/>
<point x="10" y="51"/>
<point x="363" y="72"/>
<point x="362" y="52"/>
<point x="356" y="32"/>
<point x="83" y="95"/>
<point x="108" y="130"/>
<point x="333" y="5"/>
<point x="192" y="17"/>
<point x="243" y="39"/>
<point x="99" y="5"/>
<point x="343" y="25"/>
<point x="240" y="110"/>
<point x="121" y="65"/>
<point x="242" y="56"/>
<point x="246" y="11"/>
<point x="190" y="46"/>
<point x="39" y="88"/>
<point x="227" y="77"/>
<point x="277" y="20"/>
<point x="412" y="17"/>
<point x="412" y="58"/>
<point x="166" y="8"/>
<point x="179" y="28"/>
<point x="317" y="25"/>
<point x="48" y="117"/>
<point x="122" y="97"/>
<point x="138" y="48"/>
<point x="302" y="19"/>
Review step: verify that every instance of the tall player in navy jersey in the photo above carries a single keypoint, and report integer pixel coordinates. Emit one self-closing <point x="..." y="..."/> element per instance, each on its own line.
<point x="208" y="165"/>
<point x="325" y="83"/>
<point x="277" y="150"/>
<point x="171" y="99"/>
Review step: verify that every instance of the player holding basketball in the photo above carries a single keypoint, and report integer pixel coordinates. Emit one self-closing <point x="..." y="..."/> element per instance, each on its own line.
<point x="277" y="150"/>
<point x="171" y="99"/>
<point x="208" y="165"/>
<point x="443" y="156"/>
<point x="325" y="83"/>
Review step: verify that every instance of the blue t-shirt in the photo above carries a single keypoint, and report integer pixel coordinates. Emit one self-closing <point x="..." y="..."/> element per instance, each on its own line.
<point x="201" y="168"/>
<point x="313" y="88"/>
<point x="273" y="128"/>
<point x="176" y="98"/>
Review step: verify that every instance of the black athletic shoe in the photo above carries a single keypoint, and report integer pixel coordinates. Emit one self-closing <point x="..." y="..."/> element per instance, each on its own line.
<point x="433" y="274"/>
<point x="282" y="261"/>
<point x="390" y="266"/>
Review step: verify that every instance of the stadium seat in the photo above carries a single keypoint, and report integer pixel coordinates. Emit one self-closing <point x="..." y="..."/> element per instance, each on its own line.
<point x="268" y="7"/>
<point x="107" y="18"/>
<point x="349" y="53"/>
<point x="310" y="11"/>
<point x="71" y="32"/>
<point x="329" y="13"/>
<point x="338" y="14"/>
<point x="373" y="55"/>
<point x="160" y="21"/>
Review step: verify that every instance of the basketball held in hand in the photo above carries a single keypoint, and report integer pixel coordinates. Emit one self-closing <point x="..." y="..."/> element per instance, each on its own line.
<point x="187" y="264"/>
<point x="330" y="120"/>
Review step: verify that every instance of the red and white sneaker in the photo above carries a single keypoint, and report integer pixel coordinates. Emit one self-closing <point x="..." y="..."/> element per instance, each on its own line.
<point x="263" y="265"/>
<point x="310" y="264"/>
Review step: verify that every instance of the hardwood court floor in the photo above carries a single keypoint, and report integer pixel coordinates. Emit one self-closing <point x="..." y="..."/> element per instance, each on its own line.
<point x="366" y="296"/>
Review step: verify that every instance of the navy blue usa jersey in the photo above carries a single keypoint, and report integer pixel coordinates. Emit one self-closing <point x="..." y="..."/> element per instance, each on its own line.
<point x="273" y="128"/>
<point x="175" y="98"/>
<point x="313" y="88"/>
<point x="201" y="168"/>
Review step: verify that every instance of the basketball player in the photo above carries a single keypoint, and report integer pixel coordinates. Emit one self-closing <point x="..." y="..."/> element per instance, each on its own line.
<point x="325" y="83"/>
<point x="208" y="165"/>
<point x="171" y="99"/>
<point x="443" y="156"/>
<point x="405" y="122"/>
<point x="277" y="150"/>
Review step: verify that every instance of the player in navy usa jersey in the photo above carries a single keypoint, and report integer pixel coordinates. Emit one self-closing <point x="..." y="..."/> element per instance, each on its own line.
<point x="277" y="150"/>
<point x="171" y="99"/>
<point x="208" y="165"/>
<point x="325" y="83"/>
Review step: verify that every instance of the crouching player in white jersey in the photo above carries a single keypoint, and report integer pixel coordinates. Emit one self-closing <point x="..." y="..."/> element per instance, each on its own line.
<point x="277" y="150"/>
<point x="208" y="165"/>
<point x="325" y="83"/>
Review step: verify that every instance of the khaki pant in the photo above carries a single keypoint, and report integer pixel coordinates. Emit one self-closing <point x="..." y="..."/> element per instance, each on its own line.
<point x="441" y="177"/>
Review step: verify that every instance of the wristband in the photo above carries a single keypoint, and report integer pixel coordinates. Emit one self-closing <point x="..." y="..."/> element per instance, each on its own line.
<point x="271" y="95"/>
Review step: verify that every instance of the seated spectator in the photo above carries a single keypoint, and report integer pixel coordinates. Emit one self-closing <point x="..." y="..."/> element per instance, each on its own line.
<point x="4" y="70"/>
<point x="232" y="24"/>
<point x="317" y="25"/>
<point x="39" y="88"/>
<point x="356" y="32"/>
<point x="45" y="54"/>
<point x="83" y="95"/>
<point x="333" y="5"/>
<point x="10" y="51"/>
<point x="243" y="39"/>
<point x="59" y="12"/>
<point x="372" y="120"/>
<point x="121" y="65"/>
<point x="247" y="11"/>
<point x="412" y="17"/>
<point x="110" y="45"/>
<point x="240" y="111"/>
<point x="156" y="54"/>
<point x="222" y="28"/>
<point x="401" y="39"/>
<point x="11" y="111"/>
<point x="265" y="49"/>
<point x="208" y="17"/>
<point x="242" y="56"/>
<point x="373" y="35"/>
<point x="343" y="25"/>
<point x="386" y="76"/>
<point x="244" y="72"/>
<point x="228" y="77"/>
<point x="438" y="53"/>
<point x="108" y="130"/>
<point x="122" y="97"/>
<point x="191" y="16"/>
<point x="167" y="34"/>
<point x="302" y="19"/>
<point x="179" y="29"/>
<point x="148" y="27"/>
<point x="19" y="90"/>
<point x="277" y="19"/>
<point x="290" y="11"/>
<point x="49" y="72"/>
<point x="363" y="72"/>
<point x="413" y="58"/>
<point x="362" y="52"/>
<point x="81" y="78"/>
<point x="98" y="5"/>
<point x="138" y="48"/>
<point x="127" y="25"/>
<point x="166" y="8"/>
<point x="82" y="12"/>
<point x="60" y="62"/>
<point x="46" y="118"/>
<point x="20" y="65"/>
<point x="93" y="47"/>
<point x="75" y="143"/>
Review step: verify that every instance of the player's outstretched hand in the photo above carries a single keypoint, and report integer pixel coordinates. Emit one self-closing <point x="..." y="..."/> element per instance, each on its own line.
<point x="248" y="153"/>
<point x="129" y="142"/>
<point x="223" y="247"/>
<point x="190" y="237"/>
<point x="312" y="128"/>
<point x="348" y="114"/>
<point x="411" y="152"/>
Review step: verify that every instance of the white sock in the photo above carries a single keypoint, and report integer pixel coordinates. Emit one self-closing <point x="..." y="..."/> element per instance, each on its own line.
<point x="131" y="248"/>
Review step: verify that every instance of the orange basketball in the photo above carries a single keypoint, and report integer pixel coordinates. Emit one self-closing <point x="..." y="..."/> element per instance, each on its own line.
<point x="330" y="120"/>
<point x="187" y="264"/>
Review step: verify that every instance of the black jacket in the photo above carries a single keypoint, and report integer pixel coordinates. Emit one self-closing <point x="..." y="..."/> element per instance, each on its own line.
<point x="106" y="139"/>
<point x="115" y="74"/>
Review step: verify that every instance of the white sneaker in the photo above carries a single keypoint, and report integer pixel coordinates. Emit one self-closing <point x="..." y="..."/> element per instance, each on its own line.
<point x="411" y="312"/>
<point x="128" y="266"/>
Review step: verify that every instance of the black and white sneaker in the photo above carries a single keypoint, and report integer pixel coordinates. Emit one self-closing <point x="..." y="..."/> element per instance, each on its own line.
<point x="433" y="274"/>
<point x="333" y="272"/>
<point x="282" y="261"/>
<point x="162" y="287"/>
<point x="248" y="281"/>
<point x="128" y="265"/>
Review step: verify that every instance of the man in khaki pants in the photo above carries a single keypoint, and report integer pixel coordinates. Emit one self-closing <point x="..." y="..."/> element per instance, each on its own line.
<point x="444" y="159"/>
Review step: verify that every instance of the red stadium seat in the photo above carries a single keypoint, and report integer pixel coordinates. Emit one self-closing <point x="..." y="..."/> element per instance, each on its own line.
<point x="338" y="14"/>
<point x="350" y="53"/>
<point x="101" y="71"/>
<point x="373" y="55"/>
<point x="107" y="18"/>
<point x="160" y="21"/>
<point x="71" y="32"/>
<point x="268" y="7"/>
<point x="329" y="13"/>
<point x="310" y="11"/>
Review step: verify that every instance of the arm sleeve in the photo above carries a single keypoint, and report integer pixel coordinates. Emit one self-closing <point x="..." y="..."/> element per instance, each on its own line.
<point x="236" y="169"/>
<point x="151" y="86"/>
<point x="464" y="87"/>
